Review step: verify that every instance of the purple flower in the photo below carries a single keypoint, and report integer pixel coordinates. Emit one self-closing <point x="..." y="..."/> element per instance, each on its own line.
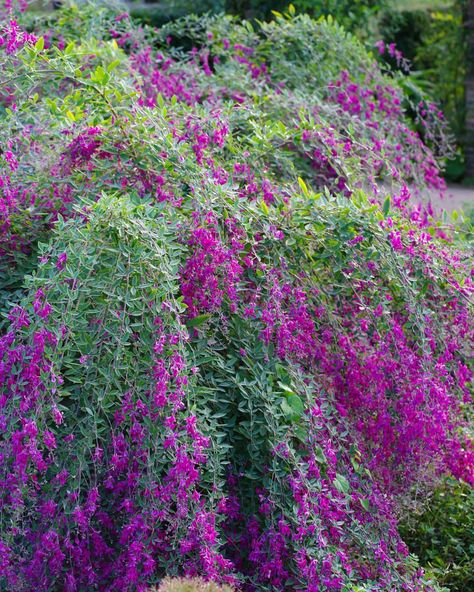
<point x="61" y="261"/>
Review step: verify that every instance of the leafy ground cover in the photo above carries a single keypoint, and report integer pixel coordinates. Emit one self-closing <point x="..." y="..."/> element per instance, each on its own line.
<point x="441" y="534"/>
<point x="236" y="344"/>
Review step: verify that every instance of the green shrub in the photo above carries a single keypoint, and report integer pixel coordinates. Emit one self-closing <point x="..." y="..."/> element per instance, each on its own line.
<point x="442" y="535"/>
<point x="158" y="13"/>
<point x="356" y="15"/>
<point x="433" y="40"/>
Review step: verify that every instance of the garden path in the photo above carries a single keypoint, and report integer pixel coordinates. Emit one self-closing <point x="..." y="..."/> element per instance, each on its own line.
<point x="457" y="197"/>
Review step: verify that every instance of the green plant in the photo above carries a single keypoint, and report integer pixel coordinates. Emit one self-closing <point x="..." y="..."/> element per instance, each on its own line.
<point x="357" y="16"/>
<point x="441" y="55"/>
<point x="432" y="38"/>
<point x="157" y="13"/>
<point x="441" y="533"/>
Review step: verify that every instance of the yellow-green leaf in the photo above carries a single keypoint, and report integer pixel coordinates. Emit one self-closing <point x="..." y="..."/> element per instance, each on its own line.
<point x="39" y="45"/>
<point x="303" y="186"/>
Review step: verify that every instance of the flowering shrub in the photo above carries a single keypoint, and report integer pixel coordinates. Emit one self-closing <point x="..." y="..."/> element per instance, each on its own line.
<point x="236" y="357"/>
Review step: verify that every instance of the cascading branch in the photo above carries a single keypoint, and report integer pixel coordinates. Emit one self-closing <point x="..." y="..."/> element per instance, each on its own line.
<point x="215" y="370"/>
<point x="97" y="371"/>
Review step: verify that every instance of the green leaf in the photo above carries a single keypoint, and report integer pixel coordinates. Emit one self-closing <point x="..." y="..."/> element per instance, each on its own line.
<point x="113" y="65"/>
<point x="100" y="75"/>
<point x="341" y="483"/>
<point x="39" y="45"/>
<point x="287" y="410"/>
<point x="365" y="504"/>
<point x="386" y="206"/>
<point x="319" y="454"/>
<point x="296" y="404"/>
<point x="355" y="464"/>
<point x="287" y="390"/>
<point x="303" y="186"/>
<point x="282" y="373"/>
<point x="301" y="433"/>
<point x="197" y="321"/>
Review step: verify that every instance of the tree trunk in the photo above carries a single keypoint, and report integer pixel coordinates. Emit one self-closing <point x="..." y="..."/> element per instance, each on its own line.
<point x="469" y="89"/>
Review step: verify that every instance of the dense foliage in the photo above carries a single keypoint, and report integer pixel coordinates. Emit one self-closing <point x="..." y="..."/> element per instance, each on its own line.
<point x="433" y="39"/>
<point x="236" y="343"/>
<point x="347" y="12"/>
<point x="441" y="533"/>
<point x="429" y="34"/>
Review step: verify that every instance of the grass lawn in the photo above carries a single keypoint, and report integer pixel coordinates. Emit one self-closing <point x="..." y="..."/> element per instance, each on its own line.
<point x="421" y="4"/>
